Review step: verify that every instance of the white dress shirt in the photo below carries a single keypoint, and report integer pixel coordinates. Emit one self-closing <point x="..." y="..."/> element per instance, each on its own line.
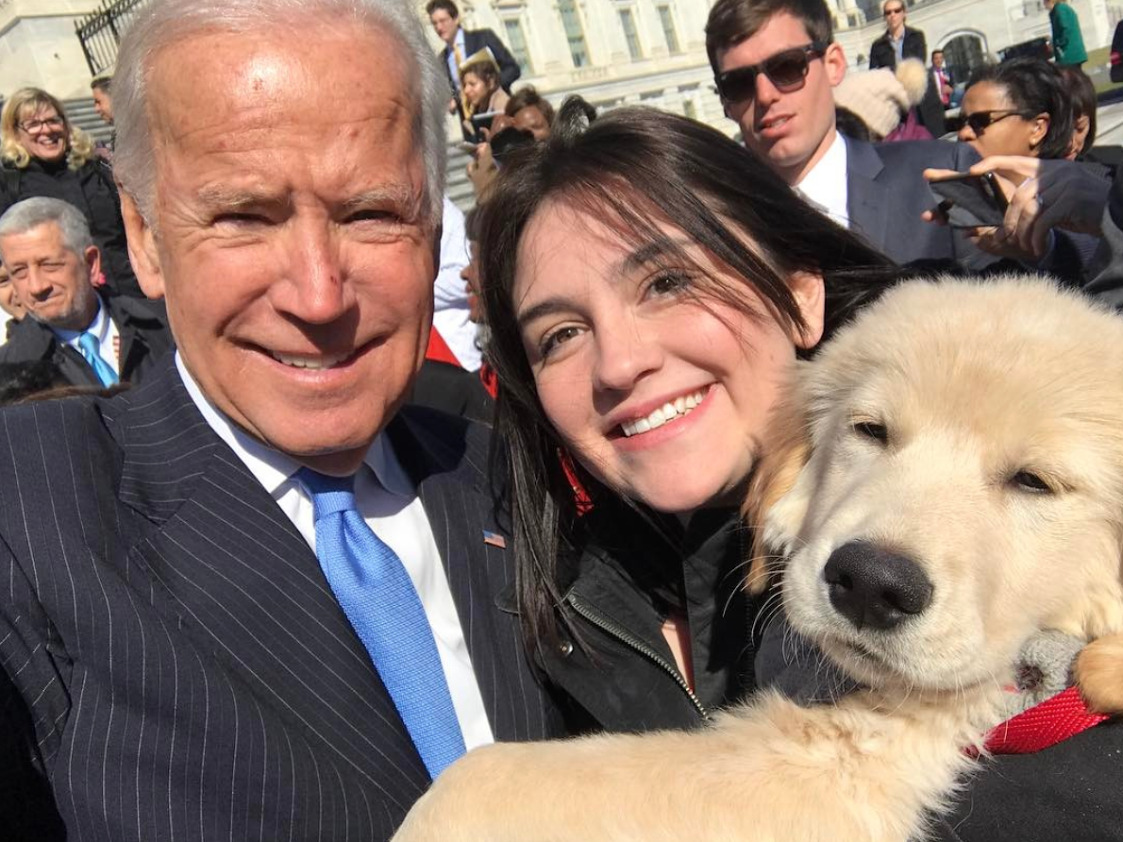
<point x="450" y="294"/>
<point x="388" y="502"/>
<point x="824" y="185"/>
<point x="108" y="337"/>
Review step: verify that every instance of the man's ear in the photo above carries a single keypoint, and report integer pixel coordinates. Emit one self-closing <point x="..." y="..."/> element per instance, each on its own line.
<point x="834" y="62"/>
<point x="92" y="257"/>
<point x="810" y="295"/>
<point x="143" y="253"/>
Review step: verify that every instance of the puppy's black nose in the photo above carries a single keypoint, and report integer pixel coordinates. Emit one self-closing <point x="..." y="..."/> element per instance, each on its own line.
<point x="872" y="587"/>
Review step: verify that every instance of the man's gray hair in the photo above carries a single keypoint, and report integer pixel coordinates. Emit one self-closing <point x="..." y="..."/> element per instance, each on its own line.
<point x="163" y="22"/>
<point x="31" y="213"/>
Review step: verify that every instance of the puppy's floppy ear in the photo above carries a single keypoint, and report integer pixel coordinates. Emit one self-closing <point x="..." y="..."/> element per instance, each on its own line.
<point x="786" y="449"/>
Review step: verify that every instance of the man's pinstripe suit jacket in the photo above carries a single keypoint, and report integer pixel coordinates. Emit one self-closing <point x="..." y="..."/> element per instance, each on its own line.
<point x="175" y="666"/>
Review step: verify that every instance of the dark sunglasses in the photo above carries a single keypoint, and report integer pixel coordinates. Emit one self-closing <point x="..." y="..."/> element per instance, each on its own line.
<point x="786" y="70"/>
<point x="889" y="12"/>
<point x="981" y="119"/>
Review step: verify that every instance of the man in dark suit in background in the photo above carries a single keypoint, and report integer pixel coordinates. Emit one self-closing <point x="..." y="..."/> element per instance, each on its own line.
<point x="461" y="44"/>
<point x="53" y="262"/>
<point x="901" y="42"/>
<point x="775" y="63"/>
<point x="256" y="597"/>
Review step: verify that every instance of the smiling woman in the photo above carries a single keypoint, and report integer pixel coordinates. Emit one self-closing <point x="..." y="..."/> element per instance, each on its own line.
<point x="44" y="155"/>
<point x="646" y="307"/>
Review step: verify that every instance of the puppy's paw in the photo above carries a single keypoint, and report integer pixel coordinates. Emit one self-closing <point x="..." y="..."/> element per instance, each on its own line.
<point x="1099" y="674"/>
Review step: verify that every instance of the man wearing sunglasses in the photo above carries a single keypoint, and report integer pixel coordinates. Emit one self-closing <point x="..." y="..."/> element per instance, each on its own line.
<point x="898" y="43"/>
<point x="775" y="63"/>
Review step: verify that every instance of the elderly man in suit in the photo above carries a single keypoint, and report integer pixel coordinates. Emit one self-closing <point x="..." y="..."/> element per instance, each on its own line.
<point x="53" y="262"/>
<point x="775" y="63"/>
<point x="256" y="597"/>
<point x="461" y="44"/>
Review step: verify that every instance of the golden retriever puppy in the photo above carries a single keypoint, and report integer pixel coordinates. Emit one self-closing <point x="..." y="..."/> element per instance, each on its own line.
<point x="945" y="482"/>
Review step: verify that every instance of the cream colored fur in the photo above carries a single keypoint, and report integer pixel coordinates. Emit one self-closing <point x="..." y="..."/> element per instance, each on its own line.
<point x="978" y="385"/>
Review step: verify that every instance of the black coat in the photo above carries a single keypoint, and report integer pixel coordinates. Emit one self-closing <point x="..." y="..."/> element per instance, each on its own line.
<point x="882" y="54"/>
<point x="142" y="326"/>
<point x="451" y="389"/>
<point x="617" y="595"/>
<point x="1067" y="793"/>
<point x="91" y="189"/>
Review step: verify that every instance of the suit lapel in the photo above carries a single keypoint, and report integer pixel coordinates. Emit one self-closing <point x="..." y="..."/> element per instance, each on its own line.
<point x="249" y="592"/>
<point x="451" y="477"/>
<point x="866" y="199"/>
<point x="471" y="43"/>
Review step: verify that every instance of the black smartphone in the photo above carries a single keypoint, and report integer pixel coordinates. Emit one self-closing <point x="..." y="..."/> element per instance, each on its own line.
<point x="970" y="201"/>
<point x="482" y="121"/>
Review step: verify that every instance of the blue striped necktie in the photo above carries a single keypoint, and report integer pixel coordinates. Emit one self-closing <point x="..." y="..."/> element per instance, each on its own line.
<point x="379" y="599"/>
<point x="90" y="348"/>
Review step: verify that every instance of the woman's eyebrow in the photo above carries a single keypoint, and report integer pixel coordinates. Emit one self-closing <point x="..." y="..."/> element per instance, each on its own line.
<point x="546" y="307"/>
<point x="650" y="251"/>
<point x="642" y="256"/>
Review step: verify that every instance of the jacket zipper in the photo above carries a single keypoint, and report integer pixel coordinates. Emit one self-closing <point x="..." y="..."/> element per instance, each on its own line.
<point x="634" y="642"/>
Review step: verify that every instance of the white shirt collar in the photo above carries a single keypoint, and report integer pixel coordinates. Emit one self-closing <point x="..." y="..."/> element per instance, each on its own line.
<point x="274" y="469"/>
<point x="824" y="185"/>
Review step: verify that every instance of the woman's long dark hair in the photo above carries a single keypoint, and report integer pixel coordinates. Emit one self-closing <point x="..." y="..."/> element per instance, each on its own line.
<point x="635" y="169"/>
<point x="1035" y="86"/>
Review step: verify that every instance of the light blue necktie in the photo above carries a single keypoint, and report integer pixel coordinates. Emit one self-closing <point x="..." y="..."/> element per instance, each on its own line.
<point x="379" y="599"/>
<point x="90" y="347"/>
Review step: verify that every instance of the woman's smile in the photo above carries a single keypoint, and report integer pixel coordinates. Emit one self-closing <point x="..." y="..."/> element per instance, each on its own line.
<point x="656" y="388"/>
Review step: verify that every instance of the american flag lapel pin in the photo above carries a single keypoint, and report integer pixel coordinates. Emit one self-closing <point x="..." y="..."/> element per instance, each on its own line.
<point x="493" y="539"/>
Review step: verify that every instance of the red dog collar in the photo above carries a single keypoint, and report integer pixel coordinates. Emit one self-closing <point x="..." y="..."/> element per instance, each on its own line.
<point x="1053" y="721"/>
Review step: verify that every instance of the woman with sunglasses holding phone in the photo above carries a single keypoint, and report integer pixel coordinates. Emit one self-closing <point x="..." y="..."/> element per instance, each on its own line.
<point x="43" y="155"/>
<point x="1018" y="107"/>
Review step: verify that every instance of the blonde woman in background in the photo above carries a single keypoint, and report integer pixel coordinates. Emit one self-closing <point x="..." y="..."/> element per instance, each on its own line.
<point x="42" y="154"/>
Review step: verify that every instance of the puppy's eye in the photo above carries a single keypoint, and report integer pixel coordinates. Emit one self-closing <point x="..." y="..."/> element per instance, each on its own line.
<point x="1031" y="482"/>
<point x="872" y="430"/>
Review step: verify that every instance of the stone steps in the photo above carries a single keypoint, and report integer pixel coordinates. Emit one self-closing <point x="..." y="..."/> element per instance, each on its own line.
<point x="81" y="113"/>
<point x="457" y="185"/>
